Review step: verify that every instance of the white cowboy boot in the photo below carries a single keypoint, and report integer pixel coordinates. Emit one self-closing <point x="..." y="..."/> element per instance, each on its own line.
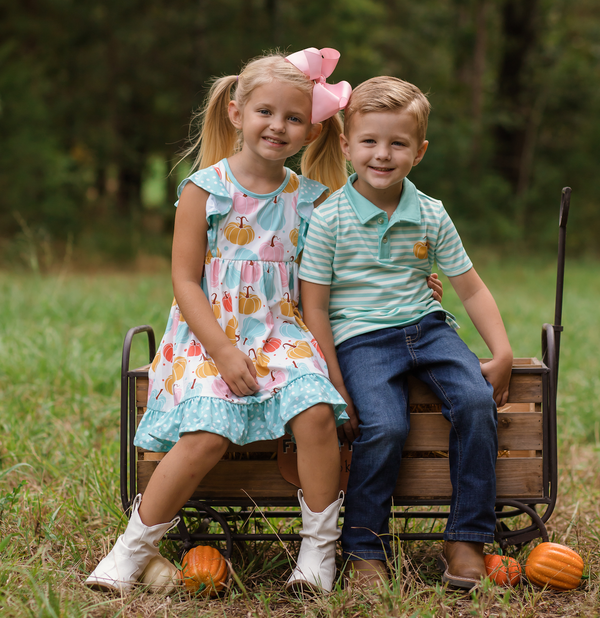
<point x="134" y="549"/>
<point x="315" y="568"/>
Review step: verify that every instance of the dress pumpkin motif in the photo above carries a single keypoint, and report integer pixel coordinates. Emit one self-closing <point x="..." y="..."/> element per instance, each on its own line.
<point x="251" y="280"/>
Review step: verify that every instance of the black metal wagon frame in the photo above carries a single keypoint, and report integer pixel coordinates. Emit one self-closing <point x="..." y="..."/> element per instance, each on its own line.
<point x="537" y="509"/>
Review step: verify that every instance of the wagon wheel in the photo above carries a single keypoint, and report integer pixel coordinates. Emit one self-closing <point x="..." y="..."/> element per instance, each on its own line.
<point x="205" y="517"/>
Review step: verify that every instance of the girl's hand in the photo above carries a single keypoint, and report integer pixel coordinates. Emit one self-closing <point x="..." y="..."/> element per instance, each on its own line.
<point x="436" y="285"/>
<point x="349" y="431"/>
<point x="497" y="372"/>
<point x="237" y="370"/>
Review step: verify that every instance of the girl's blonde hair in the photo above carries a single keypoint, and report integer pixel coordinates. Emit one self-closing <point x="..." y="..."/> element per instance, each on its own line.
<point x="217" y="138"/>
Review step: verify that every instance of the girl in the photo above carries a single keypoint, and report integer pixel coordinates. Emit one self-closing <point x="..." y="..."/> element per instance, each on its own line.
<point x="236" y="363"/>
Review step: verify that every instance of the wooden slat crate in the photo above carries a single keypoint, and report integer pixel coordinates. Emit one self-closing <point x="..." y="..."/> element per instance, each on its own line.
<point x="254" y="471"/>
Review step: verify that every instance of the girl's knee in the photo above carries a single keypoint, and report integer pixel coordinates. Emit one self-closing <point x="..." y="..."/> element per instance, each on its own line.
<point x="319" y="418"/>
<point x="204" y="444"/>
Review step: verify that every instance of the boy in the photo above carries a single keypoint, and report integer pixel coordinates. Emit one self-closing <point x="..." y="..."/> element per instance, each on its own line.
<point x="365" y="299"/>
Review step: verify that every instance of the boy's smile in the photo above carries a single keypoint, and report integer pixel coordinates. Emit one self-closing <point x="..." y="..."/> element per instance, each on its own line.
<point x="383" y="147"/>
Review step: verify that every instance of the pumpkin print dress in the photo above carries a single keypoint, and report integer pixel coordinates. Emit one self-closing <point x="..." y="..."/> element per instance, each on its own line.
<point x="251" y="280"/>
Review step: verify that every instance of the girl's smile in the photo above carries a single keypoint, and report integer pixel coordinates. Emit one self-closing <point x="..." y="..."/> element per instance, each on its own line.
<point x="275" y="122"/>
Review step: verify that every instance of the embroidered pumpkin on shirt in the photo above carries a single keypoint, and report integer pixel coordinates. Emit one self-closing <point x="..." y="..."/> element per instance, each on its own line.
<point x="421" y="250"/>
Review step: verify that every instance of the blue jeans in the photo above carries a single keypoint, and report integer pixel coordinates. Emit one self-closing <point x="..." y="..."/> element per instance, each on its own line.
<point x="374" y="367"/>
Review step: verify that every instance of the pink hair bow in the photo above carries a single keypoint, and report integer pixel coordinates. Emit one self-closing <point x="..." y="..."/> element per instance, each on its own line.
<point x="318" y="65"/>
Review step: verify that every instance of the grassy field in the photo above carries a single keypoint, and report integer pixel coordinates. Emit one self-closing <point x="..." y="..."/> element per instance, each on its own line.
<point x="60" y="345"/>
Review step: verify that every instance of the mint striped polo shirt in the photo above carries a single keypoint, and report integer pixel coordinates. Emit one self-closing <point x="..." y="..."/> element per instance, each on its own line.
<point x="377" y="268"/>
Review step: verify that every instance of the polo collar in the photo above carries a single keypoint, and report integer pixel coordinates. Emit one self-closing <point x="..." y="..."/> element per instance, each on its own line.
<point x="408" y="210"/>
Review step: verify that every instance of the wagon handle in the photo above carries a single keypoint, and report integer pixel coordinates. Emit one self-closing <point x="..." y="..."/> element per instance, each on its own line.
<point x="127" y="419"/>
<point x="565" y="203"/>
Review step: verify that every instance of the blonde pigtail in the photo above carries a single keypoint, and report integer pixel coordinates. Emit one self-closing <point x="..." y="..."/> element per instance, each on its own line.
<point x="323" y="159"/>
<point x="217" y="137"/>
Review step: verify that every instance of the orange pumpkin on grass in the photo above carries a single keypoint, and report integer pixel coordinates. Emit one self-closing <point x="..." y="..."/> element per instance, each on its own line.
<point x="554" y="565"/>
<point x="204" y="570"/>
<point x="502" y="570"/>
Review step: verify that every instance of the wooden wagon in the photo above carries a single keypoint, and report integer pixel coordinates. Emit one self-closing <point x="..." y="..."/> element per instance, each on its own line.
<point x="259" y="481"/>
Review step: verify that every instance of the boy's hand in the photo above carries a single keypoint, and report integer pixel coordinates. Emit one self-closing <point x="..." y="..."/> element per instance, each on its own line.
<point x="436" y="285"/>
<point x="349" y="431"/>
<point x="237" y="371"/>
<point x="497" y="372"/>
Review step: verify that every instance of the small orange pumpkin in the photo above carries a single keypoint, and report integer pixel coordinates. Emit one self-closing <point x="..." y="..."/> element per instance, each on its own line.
<point x="204" y="570"/>
<point x="503" y="570"/>
<point x="554" y="565"/>
<point x="421" y="250"/>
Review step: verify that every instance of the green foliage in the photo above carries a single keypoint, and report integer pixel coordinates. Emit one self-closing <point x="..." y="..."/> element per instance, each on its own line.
<point x="95" y="101"/>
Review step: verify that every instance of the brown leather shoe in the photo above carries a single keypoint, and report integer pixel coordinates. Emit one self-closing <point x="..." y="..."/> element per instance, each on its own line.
<point x="366" y="574"/>
<point x="462" y="563"/>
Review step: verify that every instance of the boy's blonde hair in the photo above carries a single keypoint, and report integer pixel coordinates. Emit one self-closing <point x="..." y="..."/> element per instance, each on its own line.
<point x="217" y="138"/>
<point x="384" y="94"/>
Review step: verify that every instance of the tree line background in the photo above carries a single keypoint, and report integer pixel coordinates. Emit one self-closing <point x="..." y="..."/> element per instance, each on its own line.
<point x="95" y="101"/>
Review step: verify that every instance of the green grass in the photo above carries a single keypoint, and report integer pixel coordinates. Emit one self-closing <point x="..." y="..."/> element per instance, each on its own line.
<point x="60" y="348"/>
